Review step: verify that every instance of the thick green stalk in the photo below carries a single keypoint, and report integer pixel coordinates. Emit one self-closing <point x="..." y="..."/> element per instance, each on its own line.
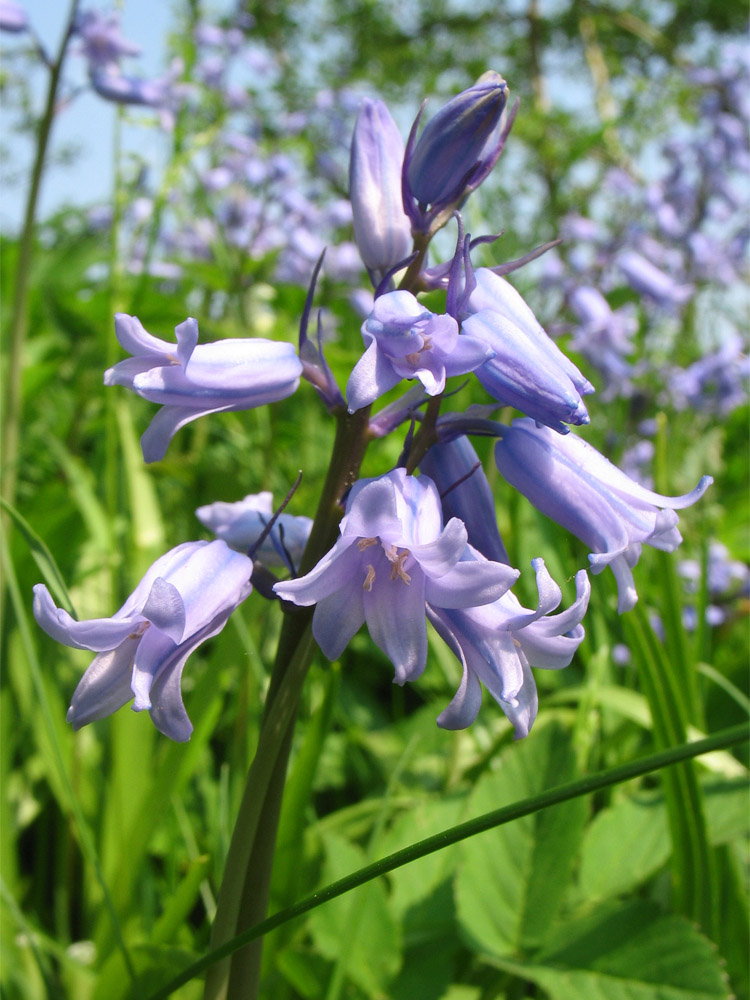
<point x="243" y="897"/>
<point x="19" y="317"/>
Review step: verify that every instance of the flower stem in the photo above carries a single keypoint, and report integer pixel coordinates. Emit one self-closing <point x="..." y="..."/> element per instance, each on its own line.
<point x="19" y="316"/>
<point x="243" y="897"/>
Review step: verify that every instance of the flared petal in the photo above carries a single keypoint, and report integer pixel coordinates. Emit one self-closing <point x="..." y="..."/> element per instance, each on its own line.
<point x="372" y="376"/>
<point x="136" y="340"/>
<point x="96" y="634"/>
<point x="340" y="567"/>
<point x="465" y="704"/>
<point x="470" y="584"/>
<point x="440" y="556"/>
<point x="550" y="596"/>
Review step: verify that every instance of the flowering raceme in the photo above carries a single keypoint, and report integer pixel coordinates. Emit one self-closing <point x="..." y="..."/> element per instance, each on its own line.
<point x="393" y="557"/>
<point x="185" y="598"/>
<point x="191" y="380"/>
<point x="575" y="485"/>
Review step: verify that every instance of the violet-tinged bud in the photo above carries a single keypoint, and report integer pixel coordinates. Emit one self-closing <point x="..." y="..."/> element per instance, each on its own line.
<point x="459" y="146"/>
<point x="575" y="485"/>
<point x="381" y="227"/>
<point x="185" y="598"/>
<point x="465" y="493"/>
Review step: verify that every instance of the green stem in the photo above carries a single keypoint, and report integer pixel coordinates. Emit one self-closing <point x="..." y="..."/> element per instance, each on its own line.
<point x="19" y="317"/>
<point x="693" y="869"/>
<point x="724" y="739"/>
<point x="243" y="898"/>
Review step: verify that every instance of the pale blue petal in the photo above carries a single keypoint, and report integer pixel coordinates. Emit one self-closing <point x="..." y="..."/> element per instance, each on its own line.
<point x="439" y="556"/>
<point x="165" y="610"/>
<point x="372" y="376"/>
<point x="470" y="584"/>
<point x="136" y="340"/>
<point x="341" y="566"/>
<point x="337" y="619"/>
<point x="96" y="634"/>
<point x="395" y="615"/>
<point x="105" y="686"/>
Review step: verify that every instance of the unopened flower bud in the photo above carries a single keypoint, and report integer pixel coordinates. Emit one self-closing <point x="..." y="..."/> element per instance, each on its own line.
<point x="381" y="228"/>
<point x="460" y="145"/>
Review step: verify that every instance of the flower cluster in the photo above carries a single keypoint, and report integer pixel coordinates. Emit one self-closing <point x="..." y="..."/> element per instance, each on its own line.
<point x="412" y="546"/>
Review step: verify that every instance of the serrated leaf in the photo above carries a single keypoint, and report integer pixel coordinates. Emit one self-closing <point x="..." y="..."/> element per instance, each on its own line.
<point x="512" y="880"/>
<point x="627" y="952"/>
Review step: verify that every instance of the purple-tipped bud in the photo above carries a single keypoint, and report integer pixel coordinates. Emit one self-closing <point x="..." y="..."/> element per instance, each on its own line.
<point x="460" y="145"/>
<point x="381" y="228"/>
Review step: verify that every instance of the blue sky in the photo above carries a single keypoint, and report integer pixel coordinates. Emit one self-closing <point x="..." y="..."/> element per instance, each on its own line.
<point x="88" y="121"/>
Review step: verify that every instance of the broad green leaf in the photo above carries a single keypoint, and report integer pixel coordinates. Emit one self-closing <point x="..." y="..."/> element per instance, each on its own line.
<point x="623" y="846"/>
<point x="627" y="951"/>
<point x="512" y="880"/>
<point x="362" y="921"/>
<point x="414" y="883"/>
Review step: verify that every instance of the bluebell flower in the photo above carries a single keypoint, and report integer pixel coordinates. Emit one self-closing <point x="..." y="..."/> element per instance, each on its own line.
<point x="529" y="371"/>
<point x="498" y="643"/>
<point x="242" y="523"/>
<point x="393" y="557"/>
<point x="13" y="17"/>
<point x="185" y="598"/>
<point x="405" y="340"/>
<point x="101" y="41"/>
<point x="382" y="229"/>
<point x="575" y="485"/>
<point x="455" y="469"/>
<point x="115" y="86"/>
<point x="191" y="379"/>
<point x="649" y="280"/>
<point x="457" y="149"/>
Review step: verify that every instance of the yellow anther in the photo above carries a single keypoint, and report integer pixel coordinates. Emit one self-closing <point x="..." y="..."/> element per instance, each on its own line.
<point x="370" y="578"/>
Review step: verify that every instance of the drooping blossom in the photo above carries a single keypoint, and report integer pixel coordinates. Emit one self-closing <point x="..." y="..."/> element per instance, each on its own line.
<point x="185" y="598"/>
<point x="647" y="279"/>
<point x="191" y="380"/>
<point x="242" y="523"/>
<point x="528" y="371"/>
<point x="574" y="484"/>
<point x="405" y="340"/>
<point x="498" y="643"/>
<point x="393" y="557"/>
<point x="382" y="229"/>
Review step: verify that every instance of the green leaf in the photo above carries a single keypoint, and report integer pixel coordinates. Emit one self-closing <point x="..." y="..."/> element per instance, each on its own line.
<point x="43" y="558"/>
<point x="363" y="921"/>
<point x="627" y="952"/>
<point x="512" y="880"/>
<point x="623" y="846"/>
<point x="415" y="882"/>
